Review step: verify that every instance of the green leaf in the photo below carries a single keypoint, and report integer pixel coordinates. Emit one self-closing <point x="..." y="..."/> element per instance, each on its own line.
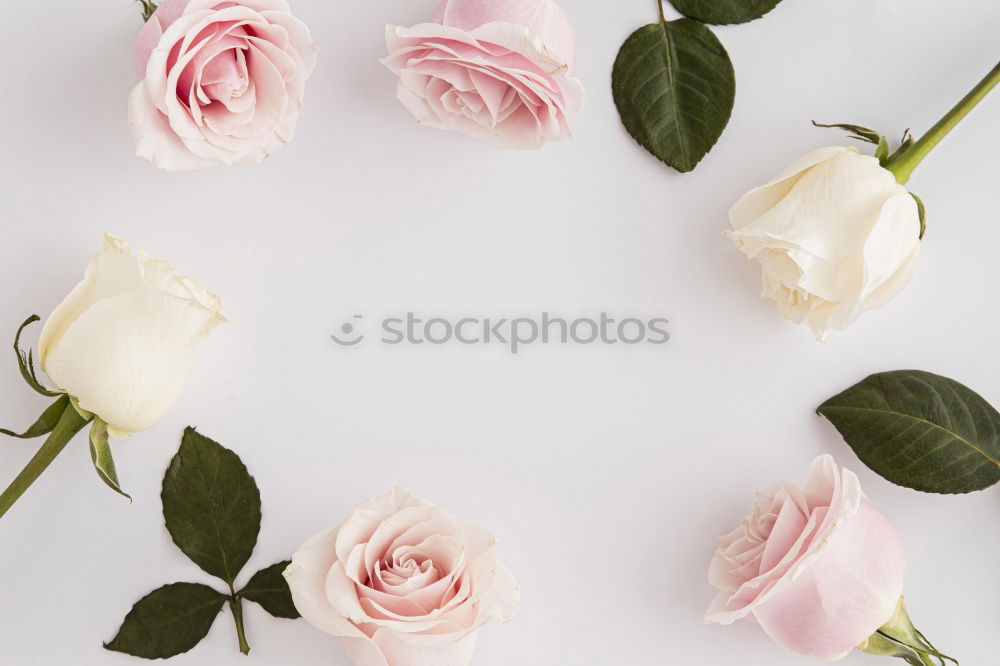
<point x="100" y="454"/>
<point x="211" y="506"/>
<point x="920" y="430"/>
<point x="922" y="212"/>
<point x="674" y="86"/>
<point x="268" y="588"/>
<point x="46" y="423"/>
<point x="723" y="12"/>
<point x="168" y="621"/>
<point x="26" y="363"/>
<point x="148" y="8"/>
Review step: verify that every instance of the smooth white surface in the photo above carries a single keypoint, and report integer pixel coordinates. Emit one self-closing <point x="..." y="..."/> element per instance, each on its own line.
<point x="606" y="471"/>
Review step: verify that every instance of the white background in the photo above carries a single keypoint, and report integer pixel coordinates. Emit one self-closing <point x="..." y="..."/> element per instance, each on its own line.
<point x="606" y="471"/>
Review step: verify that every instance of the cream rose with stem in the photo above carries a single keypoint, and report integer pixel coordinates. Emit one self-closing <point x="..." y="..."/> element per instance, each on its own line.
<point x="119" y="349"/>
<point x="836" y="232"/>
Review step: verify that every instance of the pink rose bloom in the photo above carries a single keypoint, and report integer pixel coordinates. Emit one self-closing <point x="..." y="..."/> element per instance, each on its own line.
<point x="402" y="583"/>
<point x="218" y="82"/>
<point x="497" y="70"/>
<point x="820" y="569"/>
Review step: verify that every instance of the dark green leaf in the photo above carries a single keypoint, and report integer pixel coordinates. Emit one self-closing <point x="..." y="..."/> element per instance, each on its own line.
<point x="722" y="12"/>
<point x="148" y="9"/>
<point x="45" y="423"/>
<point x="168" y="621"/>
<point x="920" y="430"/>
<point x="26" y="363"/>
<point x="100" y="454"/>
<point x="211" y="506"/>
<point x="268" y="588"/>
<point x="674" y="86"/>
<point x="922" y="211"/>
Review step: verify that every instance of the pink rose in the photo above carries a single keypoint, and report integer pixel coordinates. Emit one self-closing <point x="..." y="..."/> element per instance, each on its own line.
<point x="402" y="583"/>
<point x="218" y="82"/>
<point x="820" y="569"/>
<point x="497" y="70"/>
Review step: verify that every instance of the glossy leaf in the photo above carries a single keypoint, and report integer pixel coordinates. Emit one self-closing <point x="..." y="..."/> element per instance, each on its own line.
<point x="168" y="621"/>
<point x="723" y="12"/>
<point x="920" y="430"/>
<point x="211" y="506"/>
<point x="674" y="86"/>
<point x="268" y="588"/>
<point x="45" y="423"/>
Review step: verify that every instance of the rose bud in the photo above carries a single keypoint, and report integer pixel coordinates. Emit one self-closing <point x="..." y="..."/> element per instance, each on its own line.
<point x="836" y="232"/>
<point x="819" y="568"/>
<point x="118" y="349"/>
<point x="402" y="582"/>
<point x="218" y="82"/>
<point x="497" y="70"/>
<point x="126" y="337"/>
<point x="836" y="235"/>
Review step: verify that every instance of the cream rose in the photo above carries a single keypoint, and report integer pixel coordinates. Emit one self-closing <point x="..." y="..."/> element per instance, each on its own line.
<point x="218" y="82"/>
<point x="124" y="340"/>
<point x="402" y="583"/>
<point x="819" y="568"/>
<point x="836" y="235"/>
<point x="497" y="70"/>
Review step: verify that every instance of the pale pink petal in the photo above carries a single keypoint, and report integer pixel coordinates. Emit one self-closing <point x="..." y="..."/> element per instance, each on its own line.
<point x="843" y="597"/>
<point x="154" y="138"/>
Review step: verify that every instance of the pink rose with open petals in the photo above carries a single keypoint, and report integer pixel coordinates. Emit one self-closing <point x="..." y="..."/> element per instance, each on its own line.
<point x="402" y="583"/>
<point x="820" y="569"/>
<point x="218" y="82"/>
<point x="497" y="70"/>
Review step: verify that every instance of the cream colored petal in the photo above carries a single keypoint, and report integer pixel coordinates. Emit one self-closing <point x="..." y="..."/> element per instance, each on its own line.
<point x="160" y="275"/>
<point x="831" y="209"/>
<point x="127" y="357"/>
<point x="894" y="283"/>
<point x="759" y="200"/>
<point x="891" y="251"/>
<point x="110" y="272"/>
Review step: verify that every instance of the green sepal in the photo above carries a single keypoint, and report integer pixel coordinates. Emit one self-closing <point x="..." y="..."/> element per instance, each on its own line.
<point x="26" y="362"/>
<point x="922" y="211"/>
<point x="148" y="8"/>
<point x="100" y="454"/>
<point x="899" y="638"/>
<point x="46" y="423"/>
<point x="80" y="410"/>
<point x="864" y="134"/>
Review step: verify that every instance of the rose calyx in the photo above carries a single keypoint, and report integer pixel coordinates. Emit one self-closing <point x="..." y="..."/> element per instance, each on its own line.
<point x="899" y="638"/>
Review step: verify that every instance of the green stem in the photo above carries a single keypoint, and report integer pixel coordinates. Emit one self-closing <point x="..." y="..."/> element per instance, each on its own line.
<point x="903" y="163"/>
<point x="659" y="6"/>
<point x="236" y="605"/>
<point x="69" y="424"/>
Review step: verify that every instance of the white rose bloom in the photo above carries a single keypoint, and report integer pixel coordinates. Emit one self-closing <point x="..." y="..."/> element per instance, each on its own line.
<point x="836" y="236"/>
<point x="125" y="339"/>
